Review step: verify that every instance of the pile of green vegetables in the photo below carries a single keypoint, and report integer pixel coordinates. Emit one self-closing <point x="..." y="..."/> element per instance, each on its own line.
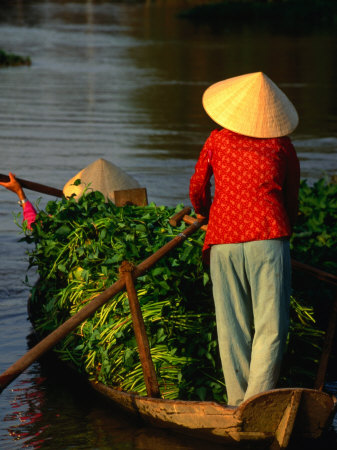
<point x="79" y="246"/>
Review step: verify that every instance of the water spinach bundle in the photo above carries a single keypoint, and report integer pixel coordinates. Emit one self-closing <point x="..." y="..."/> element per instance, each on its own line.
<point x="78" y="249"/>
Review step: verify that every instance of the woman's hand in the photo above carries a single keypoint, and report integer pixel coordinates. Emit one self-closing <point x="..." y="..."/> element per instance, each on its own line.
<point x="14" y="186"/>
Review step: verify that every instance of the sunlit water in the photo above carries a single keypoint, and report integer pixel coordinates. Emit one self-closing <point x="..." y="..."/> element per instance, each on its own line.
<point x="123" y="82"/>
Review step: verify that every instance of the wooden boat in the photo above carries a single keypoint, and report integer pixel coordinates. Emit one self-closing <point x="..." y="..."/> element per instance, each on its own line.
<point x="270" y="419"/>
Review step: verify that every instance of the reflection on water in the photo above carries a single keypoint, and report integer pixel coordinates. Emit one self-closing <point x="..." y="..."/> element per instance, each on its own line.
<point x="123" y="81"/>
<point x="45" y="407"/>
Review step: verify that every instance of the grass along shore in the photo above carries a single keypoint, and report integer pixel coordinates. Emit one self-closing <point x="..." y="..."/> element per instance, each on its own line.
<point x="11" y="59"/>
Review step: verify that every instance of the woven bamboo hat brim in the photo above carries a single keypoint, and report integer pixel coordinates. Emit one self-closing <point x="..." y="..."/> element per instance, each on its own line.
<point x="102" y="176"/>
<point x="251" y="105"/>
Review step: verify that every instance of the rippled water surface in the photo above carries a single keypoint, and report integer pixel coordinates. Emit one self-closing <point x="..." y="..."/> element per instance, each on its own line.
<point x="123" y="81"/>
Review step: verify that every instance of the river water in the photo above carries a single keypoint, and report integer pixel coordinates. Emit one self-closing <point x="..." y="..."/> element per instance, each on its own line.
<point x="123" y="81"/>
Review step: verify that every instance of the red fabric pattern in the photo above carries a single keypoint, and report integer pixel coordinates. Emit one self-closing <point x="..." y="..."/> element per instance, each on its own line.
<point x="256" y="187"/>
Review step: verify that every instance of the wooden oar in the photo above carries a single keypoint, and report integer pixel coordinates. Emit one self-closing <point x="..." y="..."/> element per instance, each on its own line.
<point x="63" y="330"/>
<point x="188" y="219"/>
<point x="35" y="186"/>
<point x="150" y="378"/>
<point x="327" y="347"/>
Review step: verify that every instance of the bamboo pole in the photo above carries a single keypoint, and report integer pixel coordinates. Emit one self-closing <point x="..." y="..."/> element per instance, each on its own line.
<point x="327" y="346"/>
<point x="327" y="277"/>
<point x="34" y="186"/>
<point x="177" y="218"/>
<point x="126" y="270"/>
<point x="188" y="219"/>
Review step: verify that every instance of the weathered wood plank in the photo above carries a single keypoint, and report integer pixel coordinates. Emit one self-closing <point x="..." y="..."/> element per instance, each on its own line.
<point x="137" y="197"/>
<point x="286" y="425"/>
<point x="313" y="414"/>
<point x="264" y="411"/>
<point x="193" y="415"/>
<point x="257" y="419"/>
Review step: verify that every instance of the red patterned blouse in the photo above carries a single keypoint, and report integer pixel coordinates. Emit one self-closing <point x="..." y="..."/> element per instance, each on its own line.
<point x="256" y="188"/>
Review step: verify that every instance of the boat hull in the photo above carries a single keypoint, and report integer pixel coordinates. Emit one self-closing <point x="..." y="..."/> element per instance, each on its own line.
<point x="269" y="418"/>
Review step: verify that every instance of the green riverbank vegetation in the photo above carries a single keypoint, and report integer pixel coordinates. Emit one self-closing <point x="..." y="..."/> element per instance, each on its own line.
<point x="78" y="247"/>
<point x="11" y="59"/>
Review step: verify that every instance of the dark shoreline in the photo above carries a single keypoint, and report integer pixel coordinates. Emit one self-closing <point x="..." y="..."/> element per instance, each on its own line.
<point x="11" y="59"/>
<point x="288" y="13"/>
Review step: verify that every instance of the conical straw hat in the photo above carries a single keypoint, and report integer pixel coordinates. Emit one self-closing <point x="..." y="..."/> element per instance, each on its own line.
<point x="251" y="105"/>
<point x="102" y="176"/>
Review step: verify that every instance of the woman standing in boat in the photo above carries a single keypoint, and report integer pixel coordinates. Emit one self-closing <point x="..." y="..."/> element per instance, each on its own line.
<point x="256" y="174"/>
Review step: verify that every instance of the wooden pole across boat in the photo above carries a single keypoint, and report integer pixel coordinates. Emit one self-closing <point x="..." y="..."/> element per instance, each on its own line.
<point x="126" y="270"/>
<point x="34" y="186"/>
<point x="63" y="330"/>
<point x="327" y="347"/>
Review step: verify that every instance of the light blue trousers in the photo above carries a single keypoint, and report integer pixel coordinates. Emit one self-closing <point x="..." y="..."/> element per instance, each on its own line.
<point x="251" y="289"/>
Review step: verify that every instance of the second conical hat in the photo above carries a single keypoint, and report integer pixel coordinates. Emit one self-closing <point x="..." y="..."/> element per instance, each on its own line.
<point x="251" y="105"/>
<point x="102" y="176"/>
